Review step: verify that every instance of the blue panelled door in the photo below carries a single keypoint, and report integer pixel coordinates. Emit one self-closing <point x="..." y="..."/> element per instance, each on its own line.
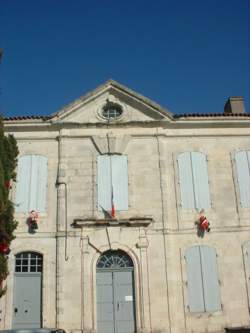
<point x="27" y="308"/>
<point x="115" y="294"/>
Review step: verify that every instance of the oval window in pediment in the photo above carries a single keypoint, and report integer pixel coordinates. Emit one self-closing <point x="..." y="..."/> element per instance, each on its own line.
<point x="112" y="110"/>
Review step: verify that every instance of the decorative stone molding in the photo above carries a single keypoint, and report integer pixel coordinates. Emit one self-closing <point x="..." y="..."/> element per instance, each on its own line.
<point x="94" y="222"/>
<point x="143" y="240"/>
<point x="85" y="244"/>
<point x="110" y="144"/>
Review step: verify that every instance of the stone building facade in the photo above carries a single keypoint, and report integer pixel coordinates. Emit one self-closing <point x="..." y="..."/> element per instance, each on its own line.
<point x="120" y="186"/>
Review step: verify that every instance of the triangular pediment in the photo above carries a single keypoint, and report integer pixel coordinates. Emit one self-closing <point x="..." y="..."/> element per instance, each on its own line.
<point x="89" y="108"/>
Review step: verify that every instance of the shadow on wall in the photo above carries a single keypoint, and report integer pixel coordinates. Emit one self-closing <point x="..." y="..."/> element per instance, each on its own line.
<point x="237" y="330"/>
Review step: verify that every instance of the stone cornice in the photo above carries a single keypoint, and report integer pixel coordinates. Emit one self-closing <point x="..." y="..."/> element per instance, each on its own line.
<point x="163" y="124"/>
<point x="130" y="222"/>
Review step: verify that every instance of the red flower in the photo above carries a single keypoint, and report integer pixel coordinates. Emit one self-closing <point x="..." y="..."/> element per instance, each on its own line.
<point x="204" y="224"/>
<point x="33" y="215"/>
<point x="7" y="184"/>
<point x="4" y="248"/>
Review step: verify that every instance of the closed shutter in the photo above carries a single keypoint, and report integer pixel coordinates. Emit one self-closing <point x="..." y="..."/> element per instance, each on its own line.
<point x="210" y="279"/>
<point x="120" y="182"/>
<point x="112" y="173"/>
<point x="31" y="183"/>
<point x="195" y="284"/>
<point x="23" y="183"/>
<point x="243" y="173"/>
<point x="104" y="182"/>
<point x="200" y="179"/>
<point x="186" y="181"/>
<point x="193" y="180"/>
<point x="41" y="185"/>
<point x="34" y="180"/>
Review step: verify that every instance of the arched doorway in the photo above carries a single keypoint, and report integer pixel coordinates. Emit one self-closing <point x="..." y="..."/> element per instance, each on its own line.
<point x="115" y="293"/>
<point x="27" y="305"/>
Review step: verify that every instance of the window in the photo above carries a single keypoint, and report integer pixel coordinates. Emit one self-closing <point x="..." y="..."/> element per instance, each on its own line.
<point x="27" y="262"/>
<point x="111" y="113"/>
<point x="203" y="283"/>
<point x="31" y="183"/>
<point x="112" y="182"/>
<point x="111" y="110"/>
<point x="242" y="160"/>
<point x="114" y="260"/>
<point x="193" y="180"/>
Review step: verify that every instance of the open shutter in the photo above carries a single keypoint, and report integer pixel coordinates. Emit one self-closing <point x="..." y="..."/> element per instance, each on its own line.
<point x="194" y="275"/>
<point x="120" y="182"/>
<point x="200" y="178"/>
<point x="243" y="173"/>
<point x="104" y="182"/>
<point x="210" y="279"/>
<point x="186" y="181"/>
<point x="23" y="184"/>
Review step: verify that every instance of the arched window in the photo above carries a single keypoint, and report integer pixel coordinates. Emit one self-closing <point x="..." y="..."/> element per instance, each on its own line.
<point x="31" y="183"/>
<point x="193" y="179"/>
<point x="112" y="182"/>
<point x="114" y="260"/>
<point x="242" y="160"/>
<point x="29" y="262"/>
<point x="203" y="280"/>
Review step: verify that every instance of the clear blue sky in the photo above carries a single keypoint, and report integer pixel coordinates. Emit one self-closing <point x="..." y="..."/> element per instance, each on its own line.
<point x="188" y="56"/>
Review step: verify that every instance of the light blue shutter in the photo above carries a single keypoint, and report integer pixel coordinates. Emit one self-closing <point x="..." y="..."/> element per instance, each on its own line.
<point x="210" y="279"/>
<point x="243" y="173"/>
<point x="200" y="179"/>
<point x="23" y="184"/>
<point x="33" y="183"/>
<point x="194" y="275"/>
<point x="104" y="182"/>
<point x="41" y="182"/>
<point x="186" y="181"/>
<point x="38" y="183"/>
<point x="120" y="182"/>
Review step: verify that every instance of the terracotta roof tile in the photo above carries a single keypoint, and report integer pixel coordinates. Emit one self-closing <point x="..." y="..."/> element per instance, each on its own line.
<point x="210" y="115"/>
<point x="27" y="118"/>
<point x="176" y="116"/>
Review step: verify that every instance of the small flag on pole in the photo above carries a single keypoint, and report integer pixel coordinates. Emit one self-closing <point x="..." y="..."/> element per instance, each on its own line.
<point x="112" y="205"/>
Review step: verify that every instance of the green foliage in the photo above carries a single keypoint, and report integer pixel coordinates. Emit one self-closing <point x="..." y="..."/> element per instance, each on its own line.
<point x="11" y="226"/>
<point x="4" y="267"/>
<point x="8" y="163"/>
<point x="3" y="273"/>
